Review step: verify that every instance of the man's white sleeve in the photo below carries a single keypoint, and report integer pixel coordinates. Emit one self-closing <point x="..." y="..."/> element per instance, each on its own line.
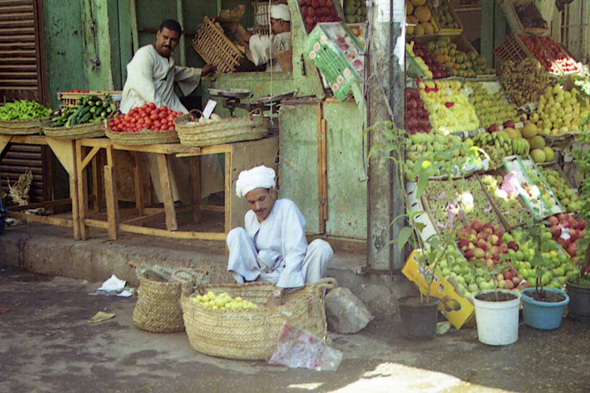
<point x="188" y="78"/>
<point x="294" y="248"/>
<point x="260" y="49"/>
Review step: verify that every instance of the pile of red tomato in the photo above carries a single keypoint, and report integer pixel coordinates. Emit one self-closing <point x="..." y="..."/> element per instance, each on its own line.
<point x="147" y="116"/>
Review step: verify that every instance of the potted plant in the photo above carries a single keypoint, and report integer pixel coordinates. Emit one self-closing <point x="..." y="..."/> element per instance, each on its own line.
<point x="578" y="285"/>
<point x="419" y="314"/>
<point x="543" y="306"/>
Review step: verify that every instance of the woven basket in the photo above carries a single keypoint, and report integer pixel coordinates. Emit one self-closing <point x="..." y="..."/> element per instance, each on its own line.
<point x="144" y="137"/>
<point x="252" y="333"/>
<point x="82" y="131"/>
<point x="230" y="130"/>
<point x="158" y="307"/>
<point x="23" y="127"/>
<point x="215" y="48"/>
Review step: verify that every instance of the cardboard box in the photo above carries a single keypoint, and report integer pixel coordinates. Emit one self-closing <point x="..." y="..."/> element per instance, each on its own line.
<point x="456" y="308"/>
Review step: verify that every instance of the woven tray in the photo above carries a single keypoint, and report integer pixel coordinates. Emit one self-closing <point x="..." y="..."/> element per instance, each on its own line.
<point x="219" y="132"/>
<point x="144" y="137"/>
<point x="215" y="48"/>
<point x="82" y="131"/>
<point x="23" y="127"/>
<point x="252" y="333"/>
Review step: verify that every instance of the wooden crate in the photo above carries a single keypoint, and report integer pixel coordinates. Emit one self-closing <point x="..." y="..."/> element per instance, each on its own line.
<point x="513" y="49"/>
<point x="509" y="8"/>
<point x="215" y="48"/>
<point x="71" y="98"/>
<point x="439" y="30"/>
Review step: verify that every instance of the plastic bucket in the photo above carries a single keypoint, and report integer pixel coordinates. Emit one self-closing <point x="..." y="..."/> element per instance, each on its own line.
<point x="579" y="306"/>
<point x="418" y="320"/>
<point x="543" y="315"/>
<point x="497" y="322"/>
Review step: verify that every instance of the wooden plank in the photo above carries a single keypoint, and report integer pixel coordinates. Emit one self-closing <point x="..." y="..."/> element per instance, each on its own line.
<point x="97" y="223"/>
<point x="30" y="139"/>
<point x="145" y="219"/>
<point x="81" y="186"/>
<point x="64" y="150"/>
<point x="90" y="156"/>
<point x="195" y="165"/>
<point x="112" y="203"/>
<point x="62" y="222"/>
<point x="321" y="174"/>
<point x="169" y="148"/>
<point x="166" y="185"/>
<point x="96" y="163"/>
<point x="4" y="140"/>
<point x="228" y="168"/>
<point x="174" y="235"/>
<point x="325" y="170"/>
<point x="59" y="202"/>
<point x="138" y="183"/>
<point x="91" y="142"/>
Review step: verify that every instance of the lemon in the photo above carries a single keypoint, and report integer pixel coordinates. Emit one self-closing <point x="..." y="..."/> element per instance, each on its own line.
<point x="198" y="298"/>
<point x="211" y="295"/>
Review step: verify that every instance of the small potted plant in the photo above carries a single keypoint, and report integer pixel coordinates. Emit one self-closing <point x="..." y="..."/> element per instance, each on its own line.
<point x="543" y="306"/>
<point x="496" y="310"/>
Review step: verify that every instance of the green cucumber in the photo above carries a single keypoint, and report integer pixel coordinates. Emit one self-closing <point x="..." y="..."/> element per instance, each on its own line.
<point x="93" y="109"/>
<point x="74" y="118"/>
<point x="85" y="118"/>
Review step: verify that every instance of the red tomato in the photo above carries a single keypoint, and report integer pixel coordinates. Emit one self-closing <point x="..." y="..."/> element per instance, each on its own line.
<point x="154" y="115"/>
<point x="162" y="115"/>
<point x="164" y="128"/>
<point x="157" y="124"/>
<point x="162" y="108"/>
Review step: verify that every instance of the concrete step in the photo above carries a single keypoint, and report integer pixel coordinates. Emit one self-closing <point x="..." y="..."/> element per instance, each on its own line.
<point x="51" y="250"/>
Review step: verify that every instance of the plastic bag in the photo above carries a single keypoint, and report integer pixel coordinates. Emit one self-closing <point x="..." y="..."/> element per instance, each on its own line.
<point x="297" y="348"/>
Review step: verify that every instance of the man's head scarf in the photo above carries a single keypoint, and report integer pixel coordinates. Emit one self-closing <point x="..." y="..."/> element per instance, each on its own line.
<point x="259" y="177"/>
<point x="280" y="11"/>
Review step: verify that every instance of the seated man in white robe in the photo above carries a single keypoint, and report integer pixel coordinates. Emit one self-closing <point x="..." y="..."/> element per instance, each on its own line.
<point x="151" y="76"/>
<point x="273" y="247"/>
<point x="263" y="49"/>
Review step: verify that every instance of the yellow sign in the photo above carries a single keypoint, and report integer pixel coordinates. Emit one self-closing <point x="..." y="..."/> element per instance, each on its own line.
<point x="456" y="308"/>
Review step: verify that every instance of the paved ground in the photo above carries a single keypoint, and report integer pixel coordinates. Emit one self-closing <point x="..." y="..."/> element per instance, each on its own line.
<point x="46" y="345"/>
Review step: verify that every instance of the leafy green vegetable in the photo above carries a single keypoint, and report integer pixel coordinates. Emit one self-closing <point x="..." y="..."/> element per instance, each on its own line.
<point x="23" y="110"/>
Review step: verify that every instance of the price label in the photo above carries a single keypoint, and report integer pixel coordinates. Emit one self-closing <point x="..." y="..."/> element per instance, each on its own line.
<point x="209" y="108"/>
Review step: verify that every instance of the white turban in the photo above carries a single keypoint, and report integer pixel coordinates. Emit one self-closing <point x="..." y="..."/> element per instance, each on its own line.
<point x="280" y="11"/>
<point x="259" y="177"/>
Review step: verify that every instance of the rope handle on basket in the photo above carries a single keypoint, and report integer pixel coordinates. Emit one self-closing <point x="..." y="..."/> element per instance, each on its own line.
<point x="257" y="112"/>
<point x="198" y="111"/>
<point x="325" y="283"/>
<point x="188" y="278"/>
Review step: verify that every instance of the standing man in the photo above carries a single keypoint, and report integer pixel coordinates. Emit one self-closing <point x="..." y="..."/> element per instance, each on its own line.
<point x="151" y="76"/>
<point x="263" y="49"/>
<point x="273" y="246"/>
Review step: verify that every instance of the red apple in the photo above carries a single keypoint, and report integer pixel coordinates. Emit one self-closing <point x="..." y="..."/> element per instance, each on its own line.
<point x="561" y="216"/>
<point x="513" y="246"/>
<point x="469" y="253"/>
<point x="509" y="124"/>
<point x="564" y="223"/>
<point x="572" y="249"/>
<point x="478" y="253"/>
<point x="555" y="232"/>
<point x="552" y="221"/>
<point x="581" y="225"/>
<point x="482" y="244"/>
<point x="489" y="263"/>
<point x="509" y="284"/>
<point x="507" y="275"/>
<point x="463" y="244"/>
<point x="477" y="225"/>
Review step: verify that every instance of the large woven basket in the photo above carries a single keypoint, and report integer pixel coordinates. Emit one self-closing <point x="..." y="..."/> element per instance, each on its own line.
<point x="215" y="48"/>
<point x="229" y="130"/>
<point x="252" y="334"/>
<point x="141" y="138"/>
<point x="23" y="127"/>
<point x="158" y="307"/>
<point x="82" y="131"/>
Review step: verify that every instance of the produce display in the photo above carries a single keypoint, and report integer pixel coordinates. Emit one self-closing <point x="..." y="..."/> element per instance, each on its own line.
<point x="318" y="11"/>
<point x="145" y="117"/>
<point x="507" y="203"/>
<point x="523" y="82"/>
<point x="23" y="110"/>
<point x="490" y="108"/>
<point x="222" y="301"/>
<point x="496" y="144"/>
<point x="458" y="63"/>
<point x="568" y="199"/>
<point x="441" y="151"/>
<point x="559" y="111"/>
<point x="566" y="231"/>
<point x="417" y="118"/>
<point x="448" y="106"/>
<point x="538" y="51"/>
<point x="427" y="63"/>
<point x="462" y="199"/>
<point x="355" y="11"/>
<point x="443" y="16"/>
<point x="563" y="60"/>
<point x="88" y="110"/>
<point x="419" y="18"/>
<point x="483" y="243"/>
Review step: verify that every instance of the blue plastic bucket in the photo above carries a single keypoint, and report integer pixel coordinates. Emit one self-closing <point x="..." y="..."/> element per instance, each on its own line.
<point x="543" y="315"/>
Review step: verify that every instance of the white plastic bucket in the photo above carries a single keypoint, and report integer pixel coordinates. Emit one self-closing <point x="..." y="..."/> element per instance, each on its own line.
<point x="497" y="322"/>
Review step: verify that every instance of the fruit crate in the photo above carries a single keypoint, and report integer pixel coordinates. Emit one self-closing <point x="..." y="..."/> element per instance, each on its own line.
<point x="337" y="54"/>
<point x="215" y="48"/>
<point x="438" y="26"/>
<point x="524" y="169"/>
<point x="69" y="98"/>
<point x="545" y="41"/>
<point x="509" y="9"/>
<point x="513" y="49"/>
<point x="435" y="26"/>
<point x="261" y="8"/>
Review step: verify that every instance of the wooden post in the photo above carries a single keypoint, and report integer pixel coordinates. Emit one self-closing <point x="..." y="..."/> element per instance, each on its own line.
<point x="95" y="163"/>
<point x="228" y="190"/>
<point x="166" y="186"/>
<point x="139" y="205"/>
<point x="112" y="202"/>
<point x="195" y="164"/>
<point x="82" y="192"/>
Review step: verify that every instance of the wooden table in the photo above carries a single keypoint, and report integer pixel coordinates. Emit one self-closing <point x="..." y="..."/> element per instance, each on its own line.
<point x="64" y="150"/>
<point x="238" y="156"/>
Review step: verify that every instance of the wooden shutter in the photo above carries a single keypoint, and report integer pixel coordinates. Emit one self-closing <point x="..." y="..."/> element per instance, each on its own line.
<point x="23" y="76"/>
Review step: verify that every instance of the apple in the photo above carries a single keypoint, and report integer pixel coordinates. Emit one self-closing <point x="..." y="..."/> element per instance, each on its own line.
<point x="564" y="223"/>
<point x="552" y="221"/>
<point x="478" y="253"/>
<point x="555" y="231"/>
<point x="513" y="246"/>
<point x="469" y="253"/>
<point x="581" y="225"/>
<point x="572" y="249"/>
<point x="477" y="225"/>
<point x="508" y="275"/>
<point x="463" y="244"/>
